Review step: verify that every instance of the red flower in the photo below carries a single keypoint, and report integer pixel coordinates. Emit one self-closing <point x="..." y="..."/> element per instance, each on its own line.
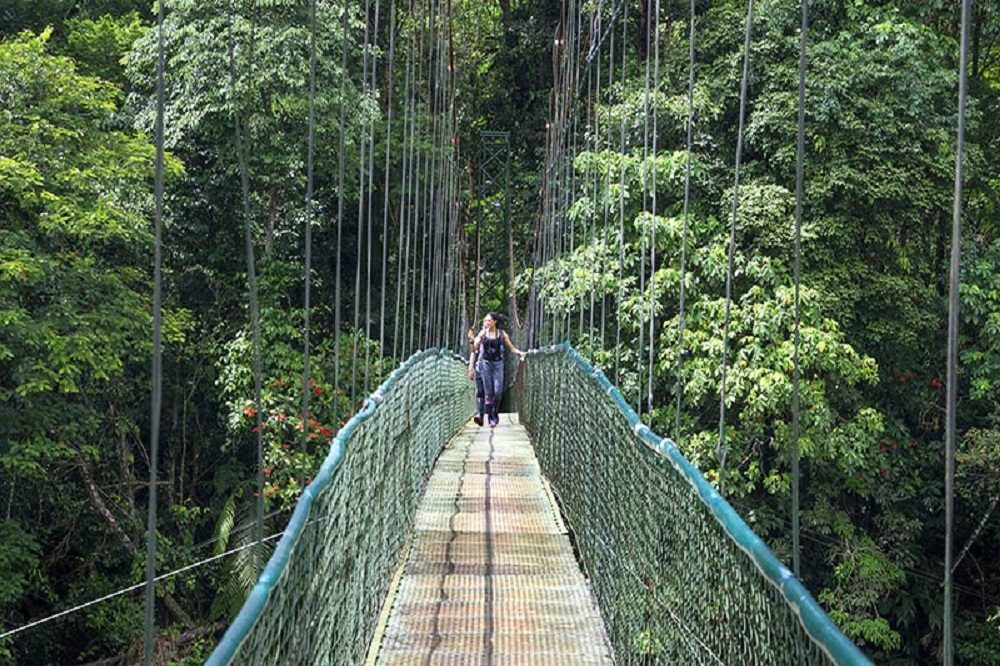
<point x="935" y="384"/>
<point x="249" y="411"/>
<point x="317" y="391"/>
<point x="286" y="446"/>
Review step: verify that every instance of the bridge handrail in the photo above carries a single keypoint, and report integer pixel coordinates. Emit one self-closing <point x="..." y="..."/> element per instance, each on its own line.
<point x="814" y="620"/>
<point x="273" y="572"/>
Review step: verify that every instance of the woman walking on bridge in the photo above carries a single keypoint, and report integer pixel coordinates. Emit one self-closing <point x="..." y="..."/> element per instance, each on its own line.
<point x="488" y="349"/>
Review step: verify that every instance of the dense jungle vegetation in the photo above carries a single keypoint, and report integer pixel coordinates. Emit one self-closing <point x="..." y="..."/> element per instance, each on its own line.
<point x="76" y="204"/>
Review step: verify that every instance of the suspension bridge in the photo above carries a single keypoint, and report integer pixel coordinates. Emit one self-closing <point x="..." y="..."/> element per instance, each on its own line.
<point x="428" y="540"/>
<point x="571" y="533"/>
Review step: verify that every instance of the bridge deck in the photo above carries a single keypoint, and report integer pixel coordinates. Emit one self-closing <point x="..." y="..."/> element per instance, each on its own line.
<point x="491" y="577"/>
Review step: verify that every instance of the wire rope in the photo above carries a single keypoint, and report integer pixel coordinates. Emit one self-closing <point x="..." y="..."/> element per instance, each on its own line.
<point x="370" y="207"/>
<point x="722" y="447"/>
<point x="306" y="306"/>
<point x="132" y="588"/>
<point x="402" y="264"/>
<point x="685" y="219"/>
<point x="607" y="179"/>
<point x="359" y="228"/>
<point x="156" y="399"/>
<point x="799" y="187"/>
<point x="654" y="221"/>
<point x="341" y="175"/>
<point x="951" y="408"/>
<point x="621" y="205"/>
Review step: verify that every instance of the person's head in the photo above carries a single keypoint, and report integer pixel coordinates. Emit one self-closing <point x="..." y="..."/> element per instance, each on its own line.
<point x="493" y="321"/>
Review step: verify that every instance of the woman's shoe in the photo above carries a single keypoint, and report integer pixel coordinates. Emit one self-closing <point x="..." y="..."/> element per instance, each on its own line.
<point x="478" y="418"/>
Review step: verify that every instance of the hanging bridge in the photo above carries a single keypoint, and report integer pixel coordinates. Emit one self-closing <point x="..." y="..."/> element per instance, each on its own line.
<point x="428" y="540"/>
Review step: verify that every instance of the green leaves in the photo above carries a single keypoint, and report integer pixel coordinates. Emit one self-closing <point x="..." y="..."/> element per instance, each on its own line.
<point x="19" y="557"/>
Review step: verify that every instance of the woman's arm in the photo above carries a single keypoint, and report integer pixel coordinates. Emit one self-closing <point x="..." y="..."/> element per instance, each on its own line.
<point x="511" y="347"/>
<point x="472" y="364"/>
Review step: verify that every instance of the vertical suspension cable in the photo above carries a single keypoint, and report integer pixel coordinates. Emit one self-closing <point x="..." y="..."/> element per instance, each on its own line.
<point x="621" y="204"/>
<point x="390" y="84"/>
<point x="156" y="398"/>
<point x="953" y="312"/>
<point x="253" y="297"/>
<point x="645" y="199"/>
<point x="416" y="226"/>
<point x="586" y="177"/>
<point x="341" y="172"/>
<point x="684" y="230"/>
<point x="455" y="243"/>
<point x="607" y="179"/>
<point x="433" y="71"/>
<point x="430" y="201"/>
<point x="362" y="163"/>
<point x="799" y="186"/>
<point x="401" y="246"/>
<point x="652" y="242"/>
<point x="722" y="449"/>
<point x="306" y="306"/>
<point x="439" y="211"/>
<point x="592" y="223"/>
<point x="411" y="179"/>
<point x="371" y="191"/>
<point x="423" y="193"/>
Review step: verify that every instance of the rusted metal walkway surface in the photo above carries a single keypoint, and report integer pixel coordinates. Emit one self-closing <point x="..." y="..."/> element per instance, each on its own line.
<point x="490" y="578"/>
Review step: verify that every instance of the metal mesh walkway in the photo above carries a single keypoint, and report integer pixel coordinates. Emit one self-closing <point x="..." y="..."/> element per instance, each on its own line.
<point x="491" y="577"/>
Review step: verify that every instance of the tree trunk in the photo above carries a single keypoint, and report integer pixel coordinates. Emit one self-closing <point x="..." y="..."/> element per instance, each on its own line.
<point x="505" y="12"/>
<point x="87" y="474"/>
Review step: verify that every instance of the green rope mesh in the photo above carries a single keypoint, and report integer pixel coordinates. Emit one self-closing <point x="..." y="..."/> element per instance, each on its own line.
<point x="318" y="599"/>
<point x="679" y="577"/>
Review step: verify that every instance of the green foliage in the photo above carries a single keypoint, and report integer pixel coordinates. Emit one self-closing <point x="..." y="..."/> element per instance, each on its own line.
<point x="19" y="556"/>
<point x="863" y="576"/>
<point x="981" y="343"/>
<point x="99" y="45"/>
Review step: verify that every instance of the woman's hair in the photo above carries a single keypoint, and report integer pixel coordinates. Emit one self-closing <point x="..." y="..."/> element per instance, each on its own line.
<point x="498" y="318"/>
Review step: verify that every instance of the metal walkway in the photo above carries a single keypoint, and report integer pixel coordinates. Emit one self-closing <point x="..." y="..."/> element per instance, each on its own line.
<point x="490" y="577"/>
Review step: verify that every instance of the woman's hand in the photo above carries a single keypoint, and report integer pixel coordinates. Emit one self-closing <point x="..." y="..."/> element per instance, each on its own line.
<point x="472" y="374"/>
<point x="522" y="355"/>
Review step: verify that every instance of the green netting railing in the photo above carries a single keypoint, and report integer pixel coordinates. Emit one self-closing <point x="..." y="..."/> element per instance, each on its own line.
<point x="318" y="599"/>
<point x="679" y="577"/>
